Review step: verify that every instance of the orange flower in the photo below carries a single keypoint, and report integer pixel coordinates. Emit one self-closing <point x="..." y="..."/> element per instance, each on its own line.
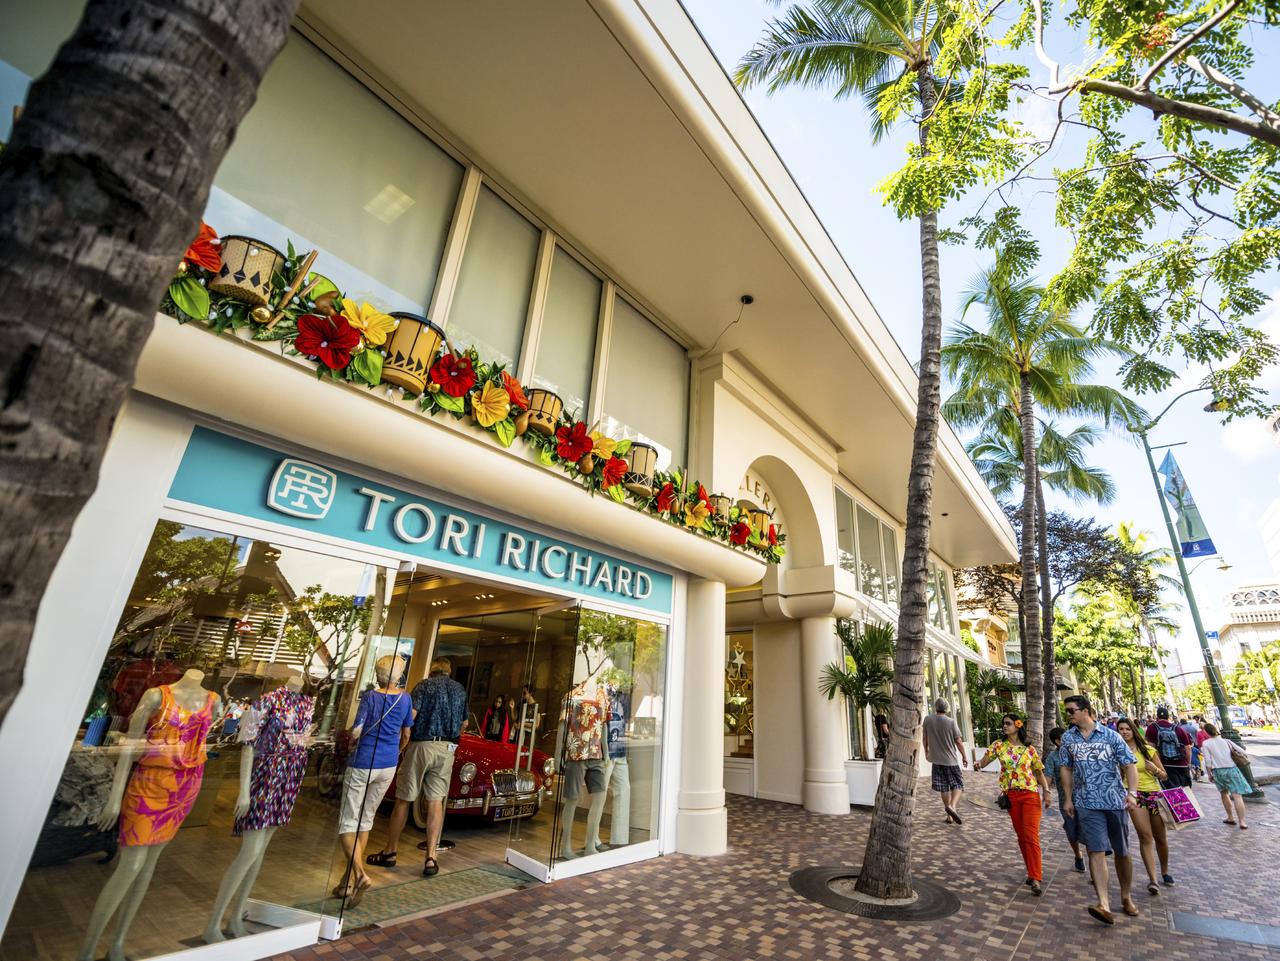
<point x="203" y="251"/>
<point x="514" y="391"/>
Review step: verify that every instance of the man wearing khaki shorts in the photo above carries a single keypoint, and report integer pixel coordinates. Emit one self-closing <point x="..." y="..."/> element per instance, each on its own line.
<point x="440" y="707"/>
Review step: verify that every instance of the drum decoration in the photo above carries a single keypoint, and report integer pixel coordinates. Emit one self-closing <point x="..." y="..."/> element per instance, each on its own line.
<point x="642" y="461"/>
<point x="411" y="350"/>
<point x="720" y="505"/>
<point x="759" y="520"/>
<point x="545" y="408"/>
<point x="247" y="267"/>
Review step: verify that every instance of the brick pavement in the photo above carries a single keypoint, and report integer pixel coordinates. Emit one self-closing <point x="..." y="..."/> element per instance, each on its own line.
<point x="741" y="907"/>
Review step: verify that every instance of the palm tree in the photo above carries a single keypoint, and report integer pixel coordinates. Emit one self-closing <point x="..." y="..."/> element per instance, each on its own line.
<point x="864" y="47"/>
<point x="866" y="672"/>
<point x="1061" y="463"/>
<point x="1152" y="614"/>
<point x="1026" y="358"/>
<point x="101" y="189"/>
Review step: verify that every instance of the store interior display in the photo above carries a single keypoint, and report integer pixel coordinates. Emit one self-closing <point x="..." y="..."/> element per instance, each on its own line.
<point x="229" y="690"/>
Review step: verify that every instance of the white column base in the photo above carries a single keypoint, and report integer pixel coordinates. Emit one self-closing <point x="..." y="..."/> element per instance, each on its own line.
<point x="703" y="832"/>
<point x="827" y="797"/>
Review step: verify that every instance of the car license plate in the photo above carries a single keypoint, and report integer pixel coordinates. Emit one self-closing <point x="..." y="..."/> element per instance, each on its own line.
<point x="506" y="812"/>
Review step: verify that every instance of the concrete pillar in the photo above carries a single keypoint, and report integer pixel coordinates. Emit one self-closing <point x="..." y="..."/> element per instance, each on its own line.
<point x="826" y="789"/>
<point x="702" y="826"/>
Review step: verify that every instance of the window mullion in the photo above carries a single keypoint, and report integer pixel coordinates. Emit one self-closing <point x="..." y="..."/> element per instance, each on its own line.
<point x="455" y="245"/>
<point x="537" y="306"/>
<point x="604" y="328"/>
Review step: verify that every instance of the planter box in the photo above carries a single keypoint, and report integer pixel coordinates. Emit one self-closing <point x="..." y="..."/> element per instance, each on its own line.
<point x="864" y="778"/>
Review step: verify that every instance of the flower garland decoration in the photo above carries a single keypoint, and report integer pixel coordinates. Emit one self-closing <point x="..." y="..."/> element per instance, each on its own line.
<point x="310" y="318"/>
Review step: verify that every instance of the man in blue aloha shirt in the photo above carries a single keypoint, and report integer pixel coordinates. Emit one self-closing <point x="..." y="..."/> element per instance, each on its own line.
<point x="1094" y="761"/>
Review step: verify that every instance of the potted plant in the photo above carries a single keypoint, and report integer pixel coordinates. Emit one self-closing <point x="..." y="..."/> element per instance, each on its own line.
<point x="863" y="678"/>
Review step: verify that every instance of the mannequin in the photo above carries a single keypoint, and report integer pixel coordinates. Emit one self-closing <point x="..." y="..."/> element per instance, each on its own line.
<point x="166" y="735"/>
<point x="584" y="722"/>
<point x="617" y="778"/>
<point x="238" y="882"/>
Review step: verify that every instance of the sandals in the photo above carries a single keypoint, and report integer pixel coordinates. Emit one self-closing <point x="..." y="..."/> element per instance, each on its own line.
<point x="1036" y="889"/>
<point x="1130" y="908"/>
<point x="358" y="894"/>
<point x="431" y="868"/>
<point x="1228" y="821"/>
<point x="1100" y="914"/>
<point x="1153" y="888"/>
<point x="383" y="859"/>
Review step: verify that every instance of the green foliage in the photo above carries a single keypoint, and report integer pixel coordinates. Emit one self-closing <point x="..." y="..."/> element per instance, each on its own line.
<point x="1249" y="683"/>
<point x="865" y="673"/>
<point x="1101" y="642"/>
<point x="1176" y="226"/>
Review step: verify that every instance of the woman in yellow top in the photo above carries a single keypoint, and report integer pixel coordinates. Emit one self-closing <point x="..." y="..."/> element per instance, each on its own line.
<point x="1153" y="836"/>
<point x="1023" y="782"/>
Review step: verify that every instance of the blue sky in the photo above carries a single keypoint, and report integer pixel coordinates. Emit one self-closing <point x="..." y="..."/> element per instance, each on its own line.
<point x="1232" y="470"/>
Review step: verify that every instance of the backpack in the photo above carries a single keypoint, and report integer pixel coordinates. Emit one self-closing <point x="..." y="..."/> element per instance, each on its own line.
<point x="1169" y="745"/>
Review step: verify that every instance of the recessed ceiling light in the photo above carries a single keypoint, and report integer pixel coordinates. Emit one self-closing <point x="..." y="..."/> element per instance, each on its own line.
<point x="389" y="203"/>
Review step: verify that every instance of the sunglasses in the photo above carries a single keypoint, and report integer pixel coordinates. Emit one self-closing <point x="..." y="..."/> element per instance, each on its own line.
<point x="1068" y="709"/>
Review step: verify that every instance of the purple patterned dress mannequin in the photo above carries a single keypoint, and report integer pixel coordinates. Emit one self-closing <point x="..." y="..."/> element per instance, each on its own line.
<point x="277" y="733"/>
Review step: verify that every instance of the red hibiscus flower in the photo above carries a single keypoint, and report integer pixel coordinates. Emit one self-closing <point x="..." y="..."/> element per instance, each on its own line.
<point x="773" y="536"/>
<point x="614" y="468"/>
<point x="739" y="533"/>
<point x="704" y="496"/>
<point x="203" y="251"/>
<point x="454" y="375"/>
<point x="573" y="443"/>
<point x="514" y="391"/>
<point x="329" y="340"/>
<point x="666" y="497"/>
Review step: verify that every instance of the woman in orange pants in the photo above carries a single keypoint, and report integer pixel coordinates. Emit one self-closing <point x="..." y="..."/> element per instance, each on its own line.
<point x="1024" y="791"/>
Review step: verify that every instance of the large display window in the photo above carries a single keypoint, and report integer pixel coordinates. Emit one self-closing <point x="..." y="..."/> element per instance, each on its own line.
<point x="193" y="806"/>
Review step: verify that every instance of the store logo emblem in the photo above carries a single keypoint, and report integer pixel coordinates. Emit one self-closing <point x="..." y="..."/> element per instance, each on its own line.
<point x="302" y="490"/>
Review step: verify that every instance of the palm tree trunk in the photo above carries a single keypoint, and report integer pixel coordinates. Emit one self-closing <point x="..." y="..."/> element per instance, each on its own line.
<point x="1030" y="595"/>
<point x="886" y="863"/>
<point x="1046" y="614"/>
<point x="101" y="189"/>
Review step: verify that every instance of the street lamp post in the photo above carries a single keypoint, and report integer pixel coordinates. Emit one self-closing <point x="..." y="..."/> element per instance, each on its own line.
<point x="1211" y="673"/>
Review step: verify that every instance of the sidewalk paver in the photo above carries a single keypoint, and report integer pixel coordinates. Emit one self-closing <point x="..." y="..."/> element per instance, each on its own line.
<point x="740" y="906"/>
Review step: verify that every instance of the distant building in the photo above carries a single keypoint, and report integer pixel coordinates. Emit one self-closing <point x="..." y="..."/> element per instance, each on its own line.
<point x="1250" y="620"/>
<point x="1269" y="528"/>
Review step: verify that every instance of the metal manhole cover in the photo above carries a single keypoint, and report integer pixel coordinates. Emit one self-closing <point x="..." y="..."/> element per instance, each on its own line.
<point x="932" y="902"/>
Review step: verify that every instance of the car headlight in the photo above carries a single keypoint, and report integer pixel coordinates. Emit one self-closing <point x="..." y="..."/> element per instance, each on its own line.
<point x="467" y="773"/>
<point x="548" y="767"/>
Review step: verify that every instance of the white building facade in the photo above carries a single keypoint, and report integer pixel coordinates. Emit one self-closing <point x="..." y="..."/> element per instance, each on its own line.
<point x="1250" y="621"/>
<point x="578" y="192"/>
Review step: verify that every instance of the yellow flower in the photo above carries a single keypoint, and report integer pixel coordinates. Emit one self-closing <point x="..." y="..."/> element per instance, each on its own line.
<point x="601" y="445"/>
<point x="490" y="405"/>
<point x="370" y="321"/>
<point x="695" y="513"/>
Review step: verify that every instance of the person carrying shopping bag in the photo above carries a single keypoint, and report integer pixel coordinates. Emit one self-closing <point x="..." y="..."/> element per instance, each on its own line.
<point x="1153" y="835"/>
<point x="1024" y="792"/>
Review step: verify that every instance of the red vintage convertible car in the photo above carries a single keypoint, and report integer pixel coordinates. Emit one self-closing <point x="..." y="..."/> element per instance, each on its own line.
<point x="485" y="782"/>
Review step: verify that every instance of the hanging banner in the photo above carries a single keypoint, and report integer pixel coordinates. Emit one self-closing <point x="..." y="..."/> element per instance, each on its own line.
<point x="1193" y="536"/>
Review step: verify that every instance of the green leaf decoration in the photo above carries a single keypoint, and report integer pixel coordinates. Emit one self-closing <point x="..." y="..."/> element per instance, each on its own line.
<point x="617" y="492"/>
<point x="191" y="297"/>
<point x="546" y="458"/>
<point x="506" y="432"/>
<point x="622" y="448"/>
<point x="455" y="404"/>
<point x="367" y="366"/>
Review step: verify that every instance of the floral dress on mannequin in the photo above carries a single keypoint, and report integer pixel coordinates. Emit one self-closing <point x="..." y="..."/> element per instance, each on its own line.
<point x="166" y="780"/>
<point x="276" y="728"/>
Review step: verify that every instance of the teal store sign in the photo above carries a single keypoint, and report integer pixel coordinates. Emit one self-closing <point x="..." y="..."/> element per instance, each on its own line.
<point x="233" y="475"/>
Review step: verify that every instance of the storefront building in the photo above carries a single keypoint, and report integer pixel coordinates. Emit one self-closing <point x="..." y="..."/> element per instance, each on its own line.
<point x="577" y="192"/>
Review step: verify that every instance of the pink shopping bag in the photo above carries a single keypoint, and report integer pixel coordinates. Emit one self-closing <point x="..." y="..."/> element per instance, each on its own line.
<point x="1179" y="807"/>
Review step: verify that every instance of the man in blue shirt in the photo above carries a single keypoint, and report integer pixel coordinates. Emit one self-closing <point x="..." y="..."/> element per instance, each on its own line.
<point x="439" y="709"/>
<point x="1093" y="761"/>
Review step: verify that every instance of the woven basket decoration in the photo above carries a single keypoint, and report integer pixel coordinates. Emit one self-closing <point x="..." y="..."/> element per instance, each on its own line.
<point x="247" y="266"/>
<point x="411" y="350"/>
<point x="544" y="411"/>
<point x="642" y="461"/>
